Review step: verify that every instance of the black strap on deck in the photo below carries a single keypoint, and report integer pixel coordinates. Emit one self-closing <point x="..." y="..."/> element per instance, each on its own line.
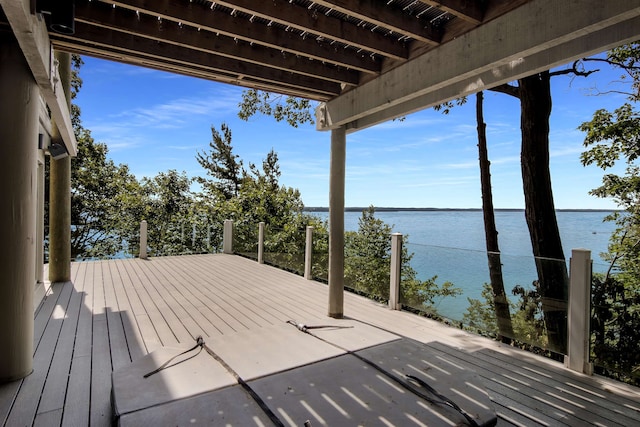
<point x="439" y="398"/>
<point x="200" y="344"/>
<point x="165" y="365"/>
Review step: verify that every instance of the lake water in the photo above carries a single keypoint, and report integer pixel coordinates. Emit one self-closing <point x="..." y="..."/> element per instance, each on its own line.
<point x="451" y="245"/>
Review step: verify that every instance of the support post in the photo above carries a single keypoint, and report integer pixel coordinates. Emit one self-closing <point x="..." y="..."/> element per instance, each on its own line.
<point x="60" y="193"/>
<point x="227" y="237"/>
<point x="578" y="316"/>
<point x="308" y="253"/>
<point x="143" y="239"/>
<point x="19" y="122"/>
<point x="261" y="243"/>
<point x="336" y="222"/>
<point x="396" y="271"/>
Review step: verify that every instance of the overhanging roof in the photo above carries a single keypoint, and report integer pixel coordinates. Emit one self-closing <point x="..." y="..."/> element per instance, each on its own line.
<point x="369" y="60"/>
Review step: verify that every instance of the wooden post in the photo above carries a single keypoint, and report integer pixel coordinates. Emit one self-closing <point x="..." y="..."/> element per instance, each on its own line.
<point x="261" y="243"/>
<point x="336" y="222"/>
<point x="19" y="121"/>
<point x="143" y="239"/>
<point x="60" y="193"/>
<point x="308" y="253"/>
<point x="579" y="312"/>
<point x="396" y="271"/>
<point x="227" y="237"/>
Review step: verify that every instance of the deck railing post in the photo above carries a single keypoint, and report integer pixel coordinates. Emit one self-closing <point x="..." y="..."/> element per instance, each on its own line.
<point x="143" y="239"/>
<point x="261" y="243"/>
<point x="395" y="273"/>
<point x="578" y="316"/>
<point x="308" y="253"/>
<point x="227" y="237"/>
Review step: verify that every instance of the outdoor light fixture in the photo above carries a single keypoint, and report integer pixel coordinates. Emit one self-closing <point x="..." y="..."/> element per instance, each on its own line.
<point x="61" y="14"/>
<point x="57" y="151"/>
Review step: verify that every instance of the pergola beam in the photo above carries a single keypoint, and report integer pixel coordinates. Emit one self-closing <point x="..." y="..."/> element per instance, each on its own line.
<point x="215" y="21"/>
<point x="285" y="13"/>
<point x="376" y="13"/>
<point x="137" y="49"/>
<point x="497" y="52"/>
<point x="128" y="22"/>
<point x="33" y="39"/>
<point x="469" y="10"/>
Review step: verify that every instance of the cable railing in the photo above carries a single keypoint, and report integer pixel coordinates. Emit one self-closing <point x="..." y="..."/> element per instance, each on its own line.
<point x="521" y="298"/>
<point x="507" y="300"/>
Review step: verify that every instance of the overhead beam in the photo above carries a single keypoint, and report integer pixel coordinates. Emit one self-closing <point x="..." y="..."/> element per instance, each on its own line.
<point x="469" y="10"/>
<point x="497" y="52"/>
<point x="126" y="21"/>
<point x="379" y="13"/>
<point x="133" y="46"/>
<point x="33" y="39"/>
<point x="200" y="16"/>
<point x="283" y="12"/>
<point x="189" y="71"/>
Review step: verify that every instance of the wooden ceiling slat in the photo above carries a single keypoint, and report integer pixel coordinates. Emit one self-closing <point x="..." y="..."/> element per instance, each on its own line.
<point x="314" y="49"/>
<point x="303" y="19"/>
<point x="469" y="10"/>
<point x="134" y="45"/>
<point x="123" y="20"/>
<point x="200" y="16"/>
<point x="186" y="70"/>
<point x="376" y="12"/>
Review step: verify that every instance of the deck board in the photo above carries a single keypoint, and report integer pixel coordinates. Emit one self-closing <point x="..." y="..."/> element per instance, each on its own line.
<point x="116" y="311"/>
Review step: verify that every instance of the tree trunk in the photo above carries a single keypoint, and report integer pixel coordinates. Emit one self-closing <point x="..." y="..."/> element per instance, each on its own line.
<point x="500" y="302"/>
<point x="535" y="98"/>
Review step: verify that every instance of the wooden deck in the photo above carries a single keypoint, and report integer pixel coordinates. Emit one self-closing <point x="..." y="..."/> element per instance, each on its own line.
<point x="114" y="312"/>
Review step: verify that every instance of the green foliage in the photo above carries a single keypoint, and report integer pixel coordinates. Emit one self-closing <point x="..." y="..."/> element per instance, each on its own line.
<point x="615" y="323"/>
<point x="96" y="199"/>
<point x="368" y="264"/>
<point x="527" y="319"/>
<point x="295" y="111"/>
<point x="627" y="59"/>
<point x="612" y="138"/>
<point x="480" y="315"/>
<point x="224" y="168"/>
<point x="446" y="107"/>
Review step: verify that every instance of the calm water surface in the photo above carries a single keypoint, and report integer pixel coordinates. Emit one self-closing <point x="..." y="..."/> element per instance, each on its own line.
<point x="451" y="245"/>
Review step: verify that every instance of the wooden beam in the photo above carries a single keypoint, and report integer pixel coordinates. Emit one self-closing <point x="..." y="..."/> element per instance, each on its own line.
<point x="380" y="14"/>
<point x="303" y="19"/>
<point x="134" y="46"/>
<point x="189" y="71"/>
<point x="494" y="53"/>
<point x="34" y="41"/>
<point x="470" y="10"/>
<point x="205" y="18"/>
<point x="126" y="21"/>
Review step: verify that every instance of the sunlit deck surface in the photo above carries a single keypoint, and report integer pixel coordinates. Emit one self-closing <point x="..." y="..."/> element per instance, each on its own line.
<point x="115" y="312"/>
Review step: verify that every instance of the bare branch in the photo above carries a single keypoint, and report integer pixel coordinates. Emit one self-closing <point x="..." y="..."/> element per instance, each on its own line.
<point x="507" y="89"/>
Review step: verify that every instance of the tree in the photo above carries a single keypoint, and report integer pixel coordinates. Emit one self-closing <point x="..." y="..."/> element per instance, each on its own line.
<point x="295" y="111"/>
<point x="368" y="265"/>
<point x="97" y="193"/>
<point x="98" y="190"/>
<point x="499" y="297"/>
<point x="612" y="138"/>
<point x="224" y="167"/>
<point x="166" y="209"/>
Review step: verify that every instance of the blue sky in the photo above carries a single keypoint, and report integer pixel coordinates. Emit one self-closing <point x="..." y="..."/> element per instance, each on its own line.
<point x="155" y="121"/>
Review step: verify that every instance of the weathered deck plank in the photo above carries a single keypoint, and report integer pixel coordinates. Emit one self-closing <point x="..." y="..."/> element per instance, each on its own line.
<point x="117" y="311"/>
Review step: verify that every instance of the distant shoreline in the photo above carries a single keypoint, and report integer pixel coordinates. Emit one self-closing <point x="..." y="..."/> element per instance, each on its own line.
<point x="391" y="209"/>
